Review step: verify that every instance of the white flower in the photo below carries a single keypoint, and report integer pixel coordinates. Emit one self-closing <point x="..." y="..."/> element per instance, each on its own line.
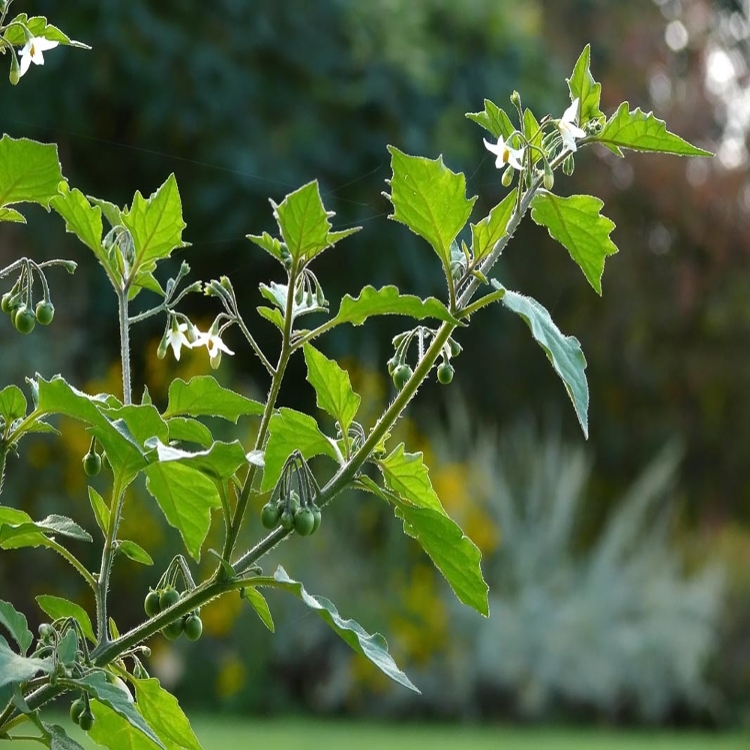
<point x="213" y="343"/>
<point x="176" y="338"/>
<point x="32" y="52"/>
<point x="505" y="154"/>
<point x="568" y="128"/>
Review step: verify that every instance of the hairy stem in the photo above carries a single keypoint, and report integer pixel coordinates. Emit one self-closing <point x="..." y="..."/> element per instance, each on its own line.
<point x="122" y="304"/>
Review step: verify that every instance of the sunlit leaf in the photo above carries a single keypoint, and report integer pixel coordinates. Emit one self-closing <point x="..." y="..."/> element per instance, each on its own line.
<point x="186" y="498"/>
<point x="451" y="551"/>
<point x="220" y="461"/>
<point x="97" y="685"/>
<point x="333" y="387"/>
<point x="12" y="403"/>
<point x="134" y="552"/>
<point x="163" y="713"/>
<point x="430" y="199"/>
<point x="38" y="26"/>
<point x="493" y="119"/>
<point x="81" y="219"/>
<point x="29" y="171"/>
<point x="584" y="88"/>
<point x="576" y="223"/>
<point x="642" y="131"/>
<point x="486" y="233"/>
<point x="203" y="396"/>
<point x="260" y="605"/>
<point x="406" y="474"/>
<point x="156" y="223"/>
<point x="292" y="430"/>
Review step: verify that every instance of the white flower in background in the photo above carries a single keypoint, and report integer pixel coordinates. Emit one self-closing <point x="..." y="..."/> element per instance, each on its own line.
<point x="505" y="154"/>
<point x="176" y="338"/>
<point x="568" y="128"/>
<point x="32" y="52"/>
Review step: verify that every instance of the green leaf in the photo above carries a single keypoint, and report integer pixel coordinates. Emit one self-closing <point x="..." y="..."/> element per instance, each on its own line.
<point x="10" y="214"/>
<point x="101" y="510"/>
<point x="486" y="233"/>
<point x="15" y="669"/>
<point x="584" y="88"/>
<point x="188" y="430"/>
<point x="373" y="647"/>
<point x="260" y="605"/>
<point x="59" y="738"/>
<point x="430" y="199"/>
<point x="292" y="430"/>
<point x="55" y="396"/>
<point x="333" y="388"/>
<point x="407" y="475"/>
<point x="12" y="403"/>
<point x="642" y="131"/>
<point x="134" y="552"/>
<point x="113" y="697"/>
<point x="163" y="714"/>
<point x="564" y="352"/>
<point x="451" y="551"/>
<point x="110" y="211"/>
<point x="38" y="26"/>
<point x="389" y="301"/>
<point x="272" y="315"/>
<point x="221" y="461"/>
<point x="277" y="294"/>
<point x="576" y="223"/>
<point x="156" y="224"/>
<point x="56" y="607"/>
<point x="493" y="119"/>
<point x="29" y="171"/>
<point x="142" y="421"/>
<point x="30" y="533"/>
<point x="115" y="732"/>
<point x="17" y="625"/>
<point x="186" y="498"/>
<point x="202" y="396"/>
<point x="533" y="134"/>
<point x="270" y="244"/>
<point x="81" y="219"/>
<point x="303" y="223"/>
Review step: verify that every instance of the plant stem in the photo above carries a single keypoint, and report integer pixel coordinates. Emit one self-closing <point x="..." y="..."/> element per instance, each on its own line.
<point x="108" y="553"/>
<point x="122" y="304"/>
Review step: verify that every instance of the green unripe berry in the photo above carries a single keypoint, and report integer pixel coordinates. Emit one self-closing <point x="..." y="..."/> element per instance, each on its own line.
<point x="152" y="603"/>
<point x="7" y="304"/>
<point x="193" y="627"/>
<point x="45" y="311"/>
<point x="317" y="517"/>
<point x="24" y="320"/>
<point x="401" y="375"/>
<point x="92" y="463"/>
<point x="46" y="631"/>
<point x="86" y="720"/>
<point x="287" y="520"/>
<point x="445" y="373"/>
<point x="175" y="629"/>
<point x="270" y="515"/>
<point x="168" y="597"/>
<point x="304" y="521"/>
<point x="77" y="707"/>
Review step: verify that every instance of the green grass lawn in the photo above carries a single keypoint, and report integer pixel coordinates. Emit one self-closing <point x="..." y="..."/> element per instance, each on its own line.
<point x="220" y="733"/>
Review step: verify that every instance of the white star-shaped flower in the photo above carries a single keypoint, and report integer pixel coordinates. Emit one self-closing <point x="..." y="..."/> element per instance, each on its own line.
<point x="505" y="154"/>
<point x="176" y="338"/>
<point x="568" y="128"/>
<point x="213" y="342"/>
<point x="32" y="52"/>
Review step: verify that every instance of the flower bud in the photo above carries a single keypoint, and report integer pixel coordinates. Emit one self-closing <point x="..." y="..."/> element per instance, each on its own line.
<point x="15" y="74"/>
<point x="161" y="352"/>
<point x="507" y="177"/>
<point x="549" y="176"/>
